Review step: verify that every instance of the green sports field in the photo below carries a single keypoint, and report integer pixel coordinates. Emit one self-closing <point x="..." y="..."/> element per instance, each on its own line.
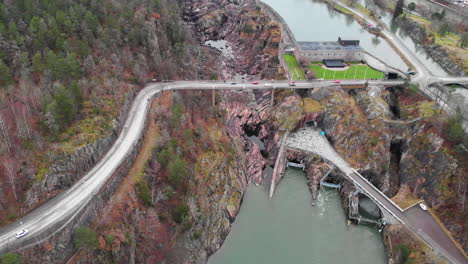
<point x="353" y="72"/>
<point x="296" y="71"/>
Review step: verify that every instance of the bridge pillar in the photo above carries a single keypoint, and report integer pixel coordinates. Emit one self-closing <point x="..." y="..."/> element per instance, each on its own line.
<point x="386" y="216"/>
<point x="389" y="219"/>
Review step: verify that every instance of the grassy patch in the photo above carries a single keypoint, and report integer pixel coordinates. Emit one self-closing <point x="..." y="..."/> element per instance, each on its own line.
<point x="418" y="19"/>
<point x="342" y="9"/>
<point x="363" y="10"/>
<point x="294" y="67"/>
<point x="310" y="106"/>
<point x="426" y="109"/>
<point x="450" y="39"/>
<point x="405" y="198"/>
<point x="353" y="72"/>
<point x="40" y="174"/>
<point x="95" y="125"/>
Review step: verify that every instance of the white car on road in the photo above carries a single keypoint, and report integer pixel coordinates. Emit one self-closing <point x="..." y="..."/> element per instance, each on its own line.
<point x="267" y="84"/>
<point x="21" y="233"/>
<point x="423" y="206"/>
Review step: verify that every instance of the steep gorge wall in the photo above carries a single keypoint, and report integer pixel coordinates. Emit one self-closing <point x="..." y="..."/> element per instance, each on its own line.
<point x="57" y="243"/>
<point x="64" y="173"/>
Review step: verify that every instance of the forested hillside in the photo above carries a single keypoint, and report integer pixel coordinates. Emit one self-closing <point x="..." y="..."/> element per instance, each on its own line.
<point x="66" y="68"/>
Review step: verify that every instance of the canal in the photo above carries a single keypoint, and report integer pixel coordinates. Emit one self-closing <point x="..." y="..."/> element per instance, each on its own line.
<point x="288" y="229"/>
<point x="313" y="20"/>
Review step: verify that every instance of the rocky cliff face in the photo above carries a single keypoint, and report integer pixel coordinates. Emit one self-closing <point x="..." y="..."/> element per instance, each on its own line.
<point x="65" y="172"/>
<point x="438" y="53"/>
<point x="255" y="37"/>
<point x="213" y="196"/>
<point x="409" y="160"/>
<point x="220" y="164"/>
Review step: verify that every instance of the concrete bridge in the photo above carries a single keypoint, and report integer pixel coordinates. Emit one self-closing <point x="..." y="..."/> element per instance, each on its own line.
<point x="58" y="213"/>
<point x="420" y="222"/>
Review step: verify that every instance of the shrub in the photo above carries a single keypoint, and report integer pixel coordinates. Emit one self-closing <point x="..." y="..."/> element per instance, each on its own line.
<point x="86" y="237"/>
<point x="459" y="148"/>
<point x="109" y="239"/>
<point x="455" y="130"/>
<point x="197" y="234"/>
<point x="413" y="89"/>
<point x="443" y="29"/>
<point x="405" y="252"/>
<point x="177" y="169"/>
<point x="11" y="258"/>
<point x="163" y="216"/>
<point x="180" y="213"/>
<point x="144" y="193"/>
<point x="163" y="157"/>
<point x="247" y="28"/>
<point x="176" y="116"/>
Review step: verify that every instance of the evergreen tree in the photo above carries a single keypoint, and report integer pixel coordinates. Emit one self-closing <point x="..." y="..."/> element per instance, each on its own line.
<point x="464" y="40"/>
<point x="411" y="6"/>
<point x="398" y="9"/>
<point x="86" y="237"/>
<point x="455" y="128"/>
<point x="37" y="64"/>
<point x="5" y="74"/>
<point x="12" y="31"/>
<point x="11" y="258"/>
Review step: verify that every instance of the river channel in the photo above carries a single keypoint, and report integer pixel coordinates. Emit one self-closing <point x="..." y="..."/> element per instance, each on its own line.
<point x="313" y="20"/>
<point x="288" y="229"/>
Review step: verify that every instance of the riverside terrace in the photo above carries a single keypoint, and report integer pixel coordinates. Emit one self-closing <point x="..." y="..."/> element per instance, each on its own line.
<point x="347" y="50"/>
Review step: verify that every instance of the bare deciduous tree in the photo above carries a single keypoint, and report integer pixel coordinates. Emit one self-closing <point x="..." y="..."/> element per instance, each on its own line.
<point x="10" y="171"/>
<point x="157" y="195"/>
<point x="4" y="134"/>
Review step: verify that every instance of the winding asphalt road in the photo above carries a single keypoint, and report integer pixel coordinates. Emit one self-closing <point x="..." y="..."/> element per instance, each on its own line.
<point x="57" y="212"/>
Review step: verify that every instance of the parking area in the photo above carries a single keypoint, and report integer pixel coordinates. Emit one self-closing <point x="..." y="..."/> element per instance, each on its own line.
<point x="428" y="227"/>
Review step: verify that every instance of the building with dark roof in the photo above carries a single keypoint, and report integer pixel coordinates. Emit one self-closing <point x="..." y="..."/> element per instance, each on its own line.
<point x="334" y="63"/>
<point x="348" y="42"/>
<point x="347" y="50"/>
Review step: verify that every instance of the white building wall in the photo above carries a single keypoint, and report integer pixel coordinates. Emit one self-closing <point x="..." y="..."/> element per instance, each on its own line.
<point x="330" y="55"/>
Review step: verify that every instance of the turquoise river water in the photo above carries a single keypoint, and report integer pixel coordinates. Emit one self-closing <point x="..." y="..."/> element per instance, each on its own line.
<point x="288" y="229"/>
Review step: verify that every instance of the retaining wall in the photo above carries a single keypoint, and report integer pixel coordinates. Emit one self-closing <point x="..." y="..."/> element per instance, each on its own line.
<point x="286" y="34"/>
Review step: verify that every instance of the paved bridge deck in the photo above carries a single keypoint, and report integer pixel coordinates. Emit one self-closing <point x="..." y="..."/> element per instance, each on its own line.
<point x="418" y="221"/>
<point x="54" y="215"/>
